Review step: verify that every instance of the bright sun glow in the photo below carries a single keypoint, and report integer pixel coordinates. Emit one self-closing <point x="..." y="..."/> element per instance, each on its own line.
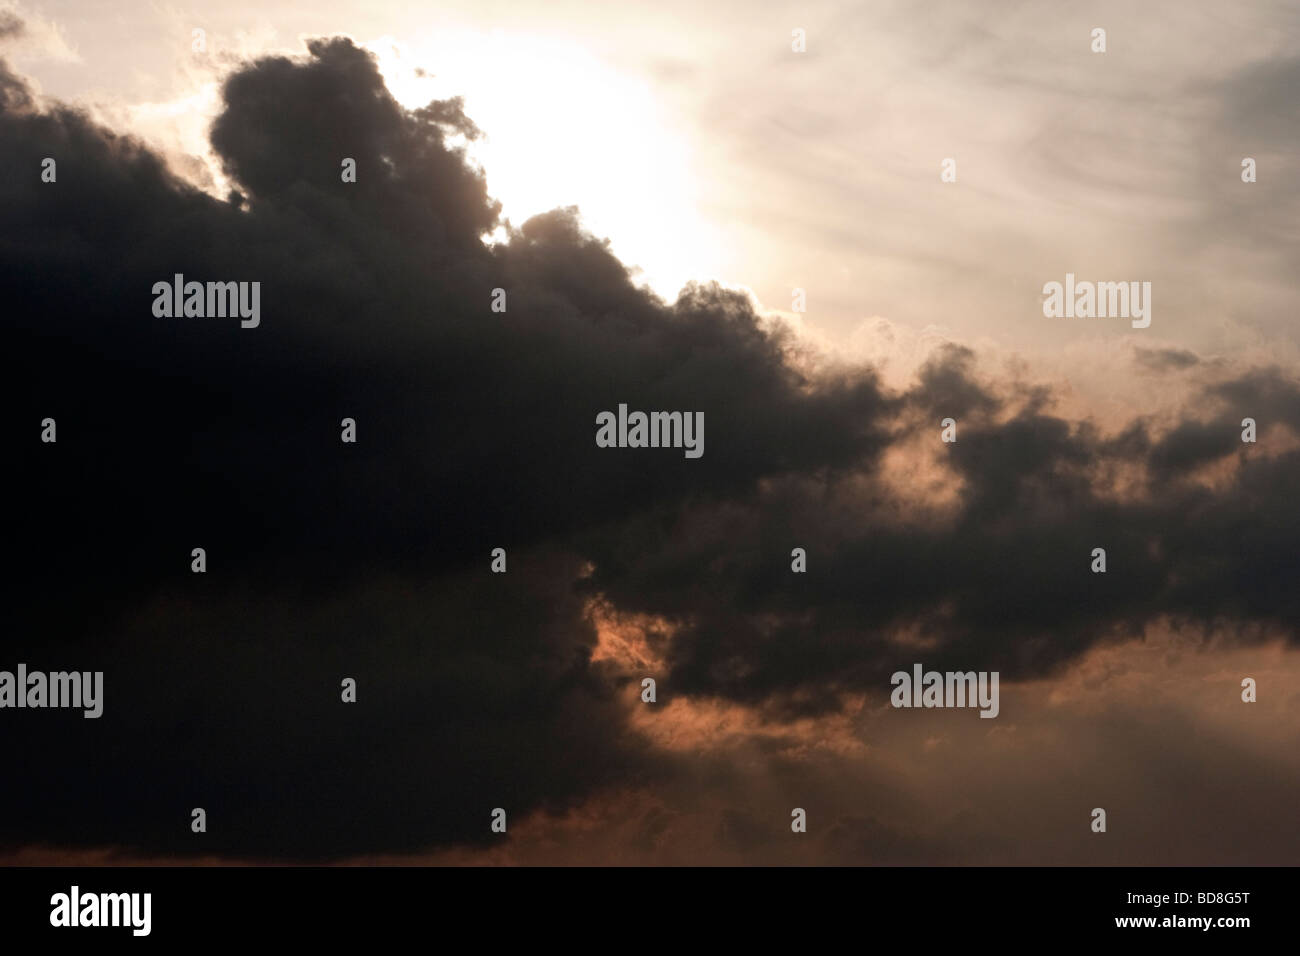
<point x="562" y="129"/>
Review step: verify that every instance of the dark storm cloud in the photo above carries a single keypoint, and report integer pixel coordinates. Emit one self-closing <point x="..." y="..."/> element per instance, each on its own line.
<point x="476" y="430"/>
<point x="1003" y="584"/>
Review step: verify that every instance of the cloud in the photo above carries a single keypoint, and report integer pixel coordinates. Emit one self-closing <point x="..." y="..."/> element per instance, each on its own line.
<point x="27" y="36"/>
<point x="476" y="430"/>
<point x="11" y="25"/>
<point x="1165" y="360"/>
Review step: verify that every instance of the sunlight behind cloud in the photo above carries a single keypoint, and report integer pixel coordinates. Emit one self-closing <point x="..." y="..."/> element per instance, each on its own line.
<point x="562" y="128"/>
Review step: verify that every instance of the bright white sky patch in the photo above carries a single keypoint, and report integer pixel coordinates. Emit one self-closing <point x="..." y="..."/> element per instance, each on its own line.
<point x="562" y="128"/>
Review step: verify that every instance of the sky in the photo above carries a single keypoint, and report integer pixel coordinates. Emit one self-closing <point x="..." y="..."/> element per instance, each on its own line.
<point x="657" y="188"/>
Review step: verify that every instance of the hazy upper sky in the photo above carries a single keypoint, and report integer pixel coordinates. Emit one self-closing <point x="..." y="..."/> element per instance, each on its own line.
<point x="692" y="136"/>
